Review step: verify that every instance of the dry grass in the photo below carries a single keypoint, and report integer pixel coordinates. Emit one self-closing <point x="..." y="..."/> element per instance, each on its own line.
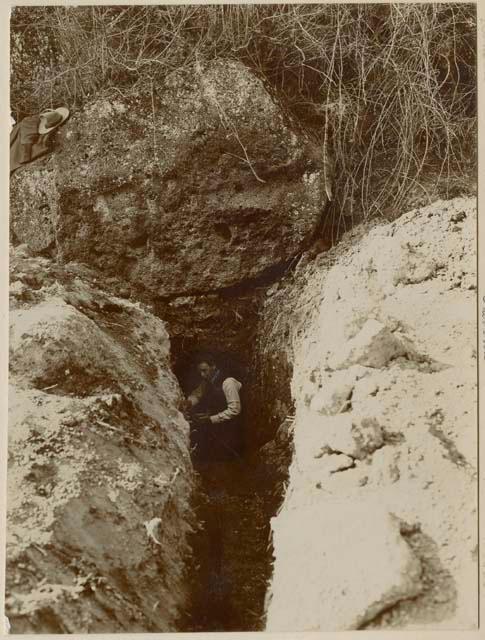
<point x="389" y="91"/>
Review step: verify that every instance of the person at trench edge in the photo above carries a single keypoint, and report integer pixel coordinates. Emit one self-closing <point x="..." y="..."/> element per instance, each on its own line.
<point x="214" y="411"/>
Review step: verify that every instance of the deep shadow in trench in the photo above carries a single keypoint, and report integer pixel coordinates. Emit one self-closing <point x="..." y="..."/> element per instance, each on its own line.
<point x="232" y="556"/>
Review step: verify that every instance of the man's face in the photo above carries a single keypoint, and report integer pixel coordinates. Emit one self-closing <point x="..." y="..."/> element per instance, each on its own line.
<point x="206" y="370"/>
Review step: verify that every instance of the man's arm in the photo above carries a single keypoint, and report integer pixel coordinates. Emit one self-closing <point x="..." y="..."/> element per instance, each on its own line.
<point x="231" y="388"/>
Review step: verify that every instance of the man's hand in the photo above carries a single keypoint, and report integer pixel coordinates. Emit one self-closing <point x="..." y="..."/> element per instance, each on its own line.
<point x="185" y="408"/>
<point x="202" y="419"/>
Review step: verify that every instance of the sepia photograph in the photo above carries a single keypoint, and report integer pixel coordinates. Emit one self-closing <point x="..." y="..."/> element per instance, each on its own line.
<point x="243" y="318"/>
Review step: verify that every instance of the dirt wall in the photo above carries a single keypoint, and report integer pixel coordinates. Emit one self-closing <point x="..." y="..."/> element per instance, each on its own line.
<point x="99" y="473"/>
<point x="379" y="522"/>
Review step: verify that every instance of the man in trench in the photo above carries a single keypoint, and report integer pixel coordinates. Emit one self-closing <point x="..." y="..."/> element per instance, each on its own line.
<point x="214" y="411"/>
<point x="215" y="414"/>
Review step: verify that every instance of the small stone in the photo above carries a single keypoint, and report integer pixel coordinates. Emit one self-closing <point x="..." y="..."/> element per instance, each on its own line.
<point x="374" y="346"/>
<point x="458" y="217"/>
<point x="441" y="597"/>
<point x="18" y="289"/>
<point x="350" y="436"/>
<point x="333" y="398"/>
<point x="367" y="387"/>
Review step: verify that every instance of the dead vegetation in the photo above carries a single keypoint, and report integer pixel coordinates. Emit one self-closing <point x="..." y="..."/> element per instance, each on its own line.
<point x="389" y="90"/>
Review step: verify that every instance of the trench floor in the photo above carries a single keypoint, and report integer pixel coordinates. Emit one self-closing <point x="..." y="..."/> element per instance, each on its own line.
<point x="231" y="550"/>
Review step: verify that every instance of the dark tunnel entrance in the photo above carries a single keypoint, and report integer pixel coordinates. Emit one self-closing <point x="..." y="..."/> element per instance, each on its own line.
<point x="234" y="501"/>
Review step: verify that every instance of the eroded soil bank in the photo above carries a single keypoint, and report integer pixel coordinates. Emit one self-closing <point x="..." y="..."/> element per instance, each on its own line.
<point x="99" y="477"/>
<point x="379" y="522"/>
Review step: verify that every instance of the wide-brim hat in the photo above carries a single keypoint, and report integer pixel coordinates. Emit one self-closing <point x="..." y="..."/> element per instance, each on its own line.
<point x="52" y="118"/>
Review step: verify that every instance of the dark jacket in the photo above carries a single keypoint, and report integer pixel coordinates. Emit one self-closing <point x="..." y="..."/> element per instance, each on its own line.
<point x="26" y="144"/>
<point x="221" y="441"/>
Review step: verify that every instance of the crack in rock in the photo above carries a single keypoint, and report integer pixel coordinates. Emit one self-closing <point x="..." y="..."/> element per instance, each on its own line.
<point x="452" y="453"/>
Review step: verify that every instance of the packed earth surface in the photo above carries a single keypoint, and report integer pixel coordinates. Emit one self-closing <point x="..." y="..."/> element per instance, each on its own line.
<point x="158" y="229"/>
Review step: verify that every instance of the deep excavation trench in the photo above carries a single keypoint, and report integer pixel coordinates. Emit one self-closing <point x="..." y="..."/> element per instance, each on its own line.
<point x="115" y="567"/>
<point x="231" y="565"/>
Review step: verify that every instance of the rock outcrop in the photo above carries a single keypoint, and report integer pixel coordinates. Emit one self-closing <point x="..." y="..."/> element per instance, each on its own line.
<point x="190" y="187"/>
<point x="379" y="522"/>
<point x="99" y="475"/>
<point x="191" y="196"/>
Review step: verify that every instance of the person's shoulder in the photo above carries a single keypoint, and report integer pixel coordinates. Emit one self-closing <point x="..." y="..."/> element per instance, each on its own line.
<point x="231" y="381"/>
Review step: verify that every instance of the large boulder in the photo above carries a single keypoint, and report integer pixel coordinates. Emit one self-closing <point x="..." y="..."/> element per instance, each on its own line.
<point x="190" y="186"/>
<point x="99" y="477"/>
